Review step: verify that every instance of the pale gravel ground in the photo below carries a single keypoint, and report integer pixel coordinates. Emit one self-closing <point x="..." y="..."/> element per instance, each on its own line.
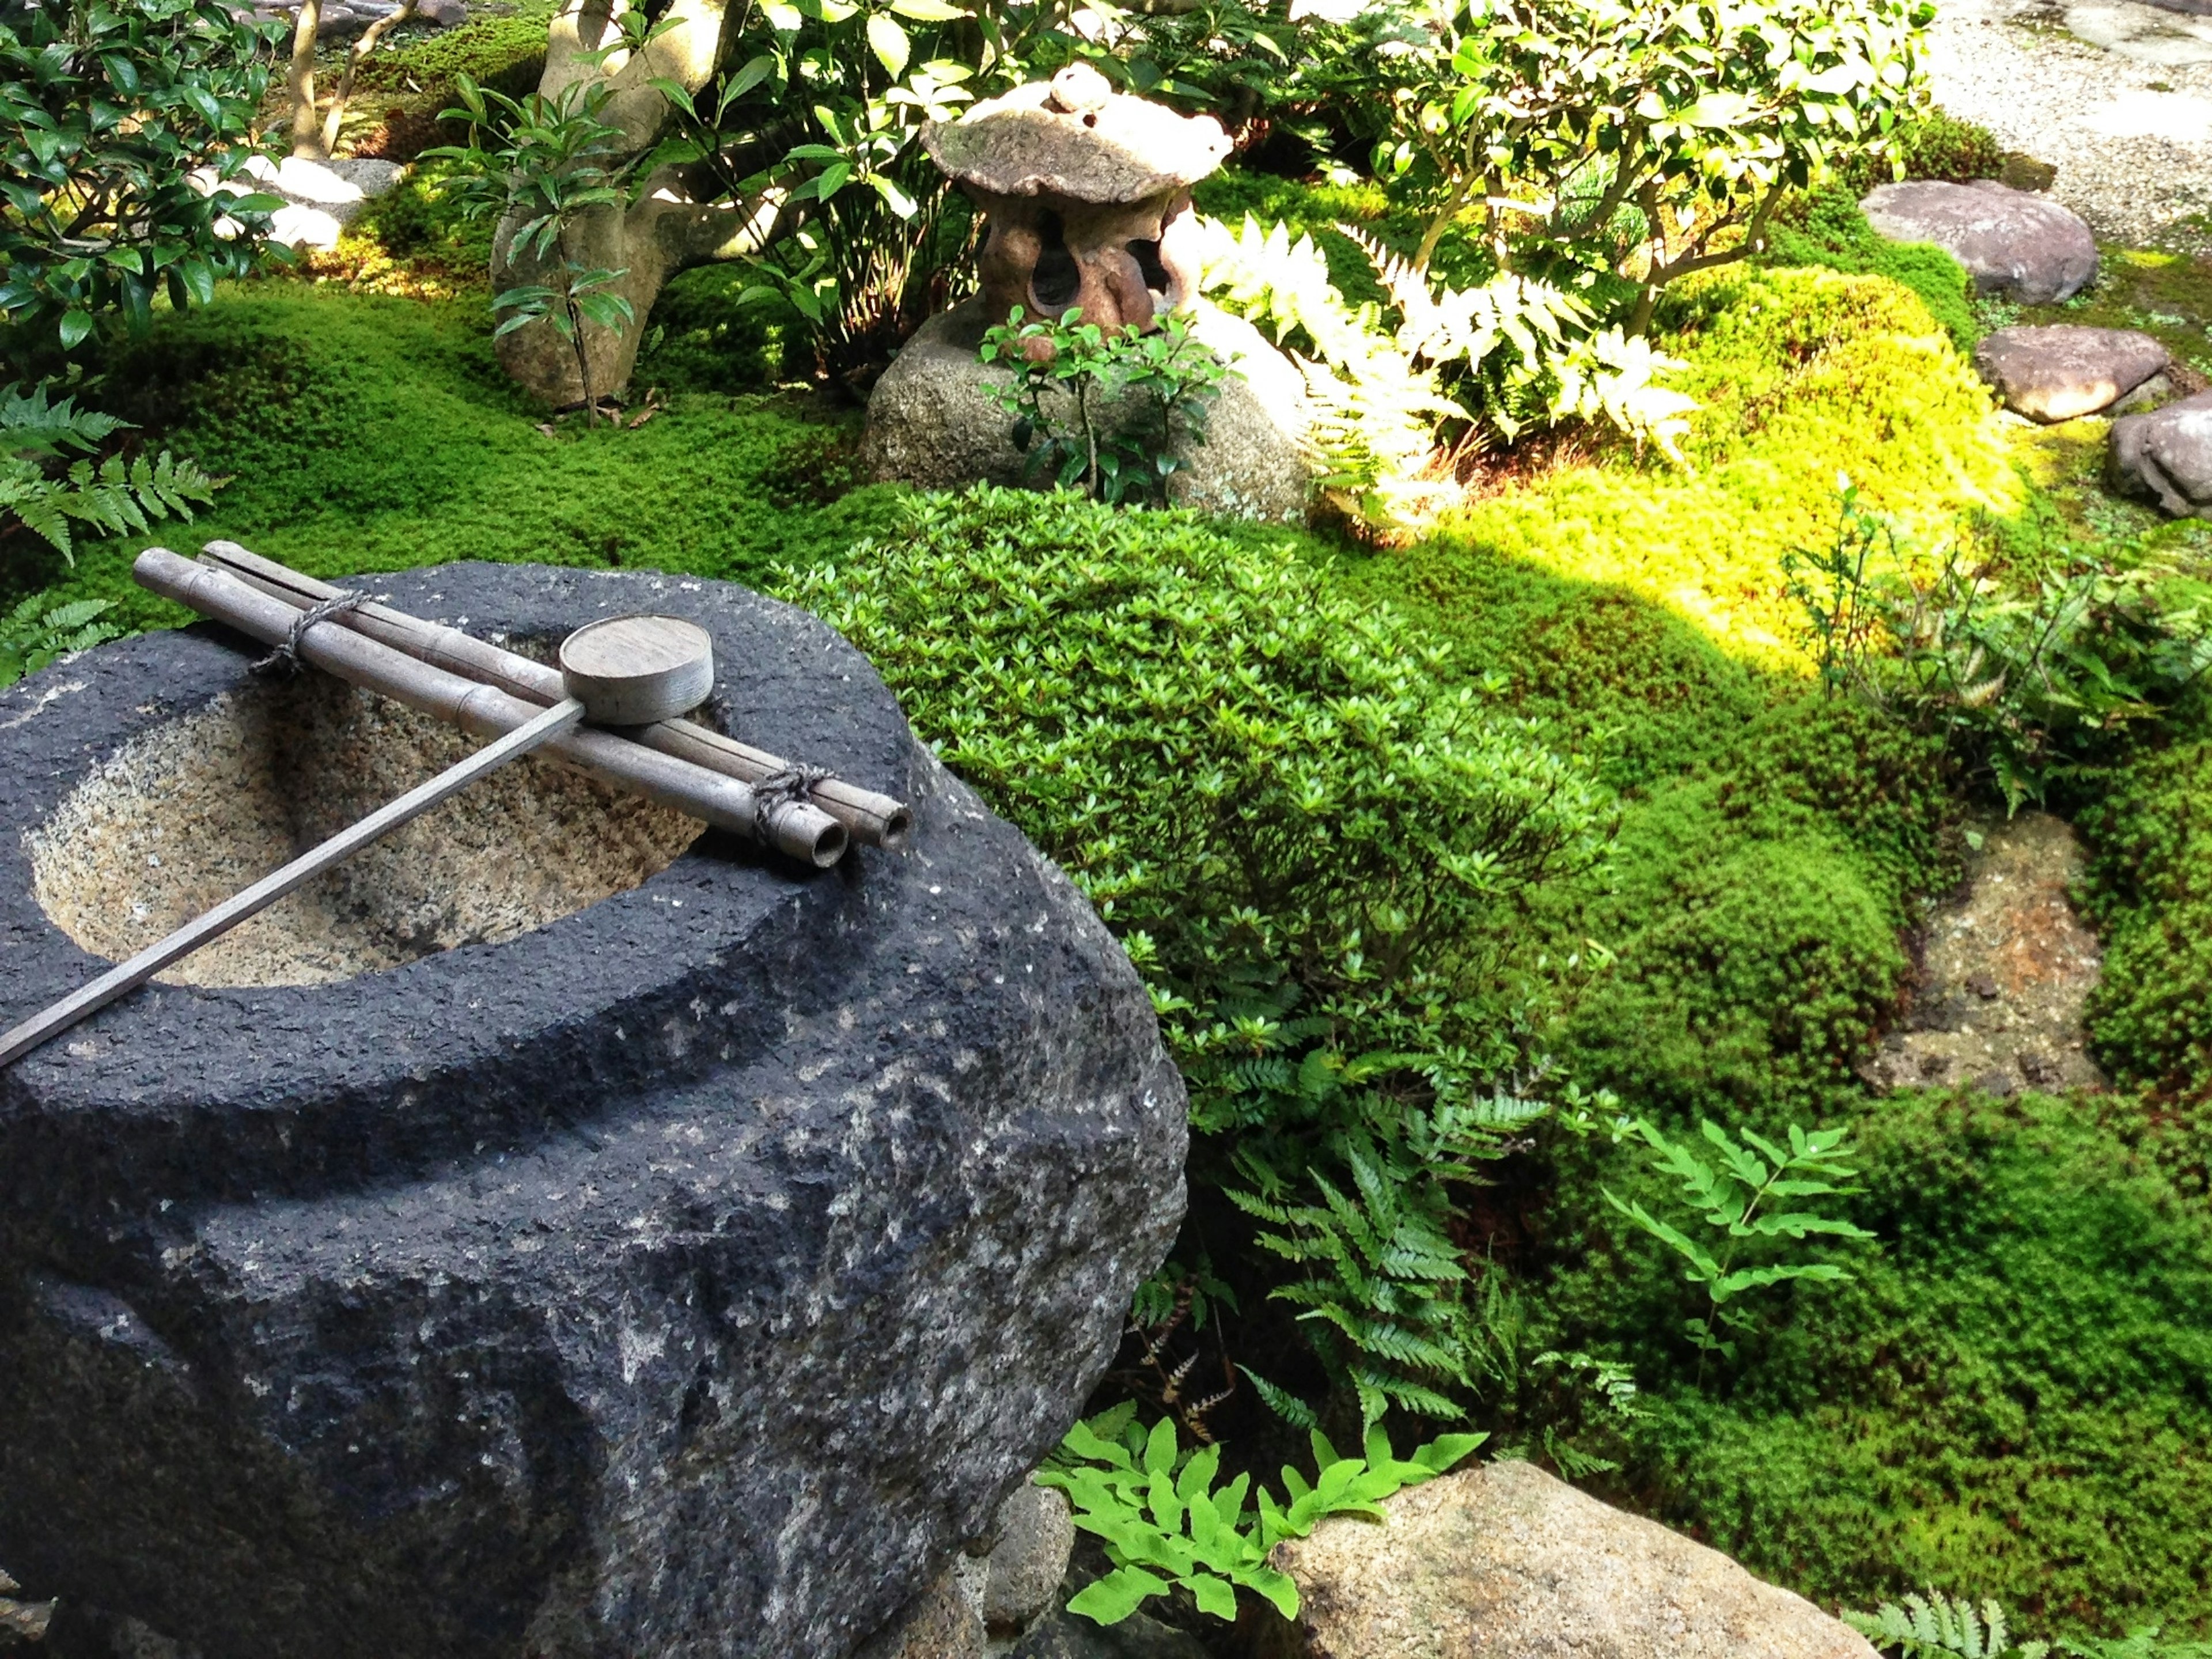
<point x="2132" y="140"/>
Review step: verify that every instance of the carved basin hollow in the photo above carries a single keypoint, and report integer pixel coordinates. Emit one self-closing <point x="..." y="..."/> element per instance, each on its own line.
<point x="191" y="811"/>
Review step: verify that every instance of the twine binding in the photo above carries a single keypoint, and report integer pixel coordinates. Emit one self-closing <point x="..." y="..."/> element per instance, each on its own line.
<point x="287" y="652"/>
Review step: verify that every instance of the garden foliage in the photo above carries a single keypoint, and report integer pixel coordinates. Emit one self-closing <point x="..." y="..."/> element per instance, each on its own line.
<point x="1165" y="1524"/>
<point x="1130" y="399"/>
<point x="2026" y="680"/>
<point x="1309" y="850"/>
<point x="35" y="633"/>
<point x="1626" y="142"/>
<point x="44" y="490"/>
<point x="106" y="109"/>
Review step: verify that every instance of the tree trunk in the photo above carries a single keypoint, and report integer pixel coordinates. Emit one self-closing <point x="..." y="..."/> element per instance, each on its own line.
<point x="675" y="222"/>
<point x="300" y="82"/>
<point x="362" y="49"/>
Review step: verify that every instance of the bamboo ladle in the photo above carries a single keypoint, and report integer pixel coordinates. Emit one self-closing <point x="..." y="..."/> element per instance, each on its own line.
<point x="628" y="671"/>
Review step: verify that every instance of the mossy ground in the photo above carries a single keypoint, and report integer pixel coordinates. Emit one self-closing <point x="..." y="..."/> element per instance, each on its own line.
<point x="2012" y="1396"/>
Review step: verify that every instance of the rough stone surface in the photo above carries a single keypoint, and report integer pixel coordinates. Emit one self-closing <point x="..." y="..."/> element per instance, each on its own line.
<point x="2023" y="247"/>
<point x="1036" y="1532"/>
<point x="320" y="198"/>
<point x="1094" y="145"/>
<point x="2004" y="974"/>
<point x="2166" y="457"/>
<point x="2161" y="36"/>
<point x="689" y="1276"/>
<point x="941" y="1623"/>
<point x="929" y="423"/>
<point x="2061" y="373"/>
<point x="1504" y="1559"/>
<point x="188" y="813"/>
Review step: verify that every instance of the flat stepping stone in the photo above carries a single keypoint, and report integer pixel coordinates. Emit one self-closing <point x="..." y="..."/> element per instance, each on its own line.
<point x="2005" y="975"/>
<point x="2166" y="457"/>
<point x="2168" y="36"/>
<point x="2058" y="373"/>
<point x="2023" y="247"/>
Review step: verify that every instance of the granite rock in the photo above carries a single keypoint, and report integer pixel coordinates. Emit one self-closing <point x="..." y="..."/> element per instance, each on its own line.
<point x="1504" y="1560"/>
<point x="1035" y="1535"/>
<point x="929" y="423"/>
<point x="2058" y="373"/>
<point x="2023" y="247"/>
<point x="690" y="1275"/>
<point x="2166" y="457"/>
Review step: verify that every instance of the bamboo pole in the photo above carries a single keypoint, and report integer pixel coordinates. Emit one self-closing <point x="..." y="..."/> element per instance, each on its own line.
<point x="127" y="977"/>
<point x="873" y="819"/>
<point x="796" y="828"/>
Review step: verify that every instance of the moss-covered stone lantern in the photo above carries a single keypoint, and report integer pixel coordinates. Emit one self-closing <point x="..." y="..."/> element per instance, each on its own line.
<point x="1085" y="194"/>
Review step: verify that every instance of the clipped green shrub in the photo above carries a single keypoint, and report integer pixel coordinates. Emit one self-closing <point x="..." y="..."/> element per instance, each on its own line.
<point x="1310" y="847"/>
<point x="1245" y="770"/>
<point x="2009" y="1399"/>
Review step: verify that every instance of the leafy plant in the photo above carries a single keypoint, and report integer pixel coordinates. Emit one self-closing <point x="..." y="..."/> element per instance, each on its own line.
<point x="1309" y="847"/>
<point x="1742" y="1200"/>
<point x="542" y="162"/>
<point x="2026" y="683"/>
<point x="1383" y="1283"/>
<point x="36" y="633"/>
<point x="107" y="113"/>
<point x="112" y="497"/>
<point x="1384" y="397"/>
<point x="1934" y="1626"/>
<point x="1079" y="366"/>
<point x="1627" y="143"/>
<point x="1166" y="1526"/>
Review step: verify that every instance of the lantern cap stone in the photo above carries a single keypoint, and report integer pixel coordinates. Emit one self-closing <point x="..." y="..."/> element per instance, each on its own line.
<point x="1074" y="135"/>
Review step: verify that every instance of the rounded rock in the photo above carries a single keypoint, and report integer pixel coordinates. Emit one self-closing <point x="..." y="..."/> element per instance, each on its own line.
<point x="690" y="1273"/>
<point x="2061" y="373"/>
<point x="2022" y="246"/>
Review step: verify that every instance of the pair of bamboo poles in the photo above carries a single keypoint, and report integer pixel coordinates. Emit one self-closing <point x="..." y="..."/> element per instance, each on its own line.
<point x="521" y="704"/>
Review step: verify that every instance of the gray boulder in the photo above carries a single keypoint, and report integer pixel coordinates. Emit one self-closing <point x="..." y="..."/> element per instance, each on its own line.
<point x="2023" y="247"/>
<point x="1503" y="1560"/>
<point x="931" y="424"/>
<point x="689" y="1272"/>
<point x="2166" y="457"/>
<point x="2060" y="372"/>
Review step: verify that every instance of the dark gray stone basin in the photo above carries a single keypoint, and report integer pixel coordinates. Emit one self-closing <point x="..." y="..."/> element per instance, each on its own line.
<point x="689" y="1274"/>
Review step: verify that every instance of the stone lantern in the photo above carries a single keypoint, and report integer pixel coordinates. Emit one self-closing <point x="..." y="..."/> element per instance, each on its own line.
<point x="1085" y="195"/>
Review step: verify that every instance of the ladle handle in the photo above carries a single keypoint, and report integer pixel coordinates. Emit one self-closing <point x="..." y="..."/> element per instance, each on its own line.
<point x="128" y="975"/>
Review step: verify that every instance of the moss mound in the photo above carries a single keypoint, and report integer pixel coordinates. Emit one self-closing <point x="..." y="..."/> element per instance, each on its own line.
<point x="360" y="432"/>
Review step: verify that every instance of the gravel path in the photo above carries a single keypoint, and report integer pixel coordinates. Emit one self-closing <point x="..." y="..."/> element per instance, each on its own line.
<point x="2129" y="125"/>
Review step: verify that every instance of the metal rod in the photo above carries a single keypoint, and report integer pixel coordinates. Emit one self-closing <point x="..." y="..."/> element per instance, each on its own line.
<point x="873" y="819"/>
<point x="129" y="976"/>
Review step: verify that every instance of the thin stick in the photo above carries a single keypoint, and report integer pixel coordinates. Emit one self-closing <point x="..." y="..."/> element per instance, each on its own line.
<point x="872" y="819"/>
<point x="129" y="976"/>
<point x="796" y="828"/>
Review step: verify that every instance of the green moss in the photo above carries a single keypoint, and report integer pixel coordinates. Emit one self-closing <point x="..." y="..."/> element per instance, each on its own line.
<point x="505" y="49"/>
<point x="2009" y="1400"/>
<point x="1801" y="375"/>
<point x="1827" y="229"/>
<point x="365" y="433"/>
<point x="2150" y="892"/>
<point x="2165" y="295"/>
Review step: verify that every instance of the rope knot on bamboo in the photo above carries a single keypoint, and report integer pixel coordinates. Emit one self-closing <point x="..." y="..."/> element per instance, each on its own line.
<point x="287" y="653"/>
<point x="789" y="785"/>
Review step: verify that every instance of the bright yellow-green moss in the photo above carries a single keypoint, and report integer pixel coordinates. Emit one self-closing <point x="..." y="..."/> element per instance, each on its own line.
<point x="1802" y="376"/>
